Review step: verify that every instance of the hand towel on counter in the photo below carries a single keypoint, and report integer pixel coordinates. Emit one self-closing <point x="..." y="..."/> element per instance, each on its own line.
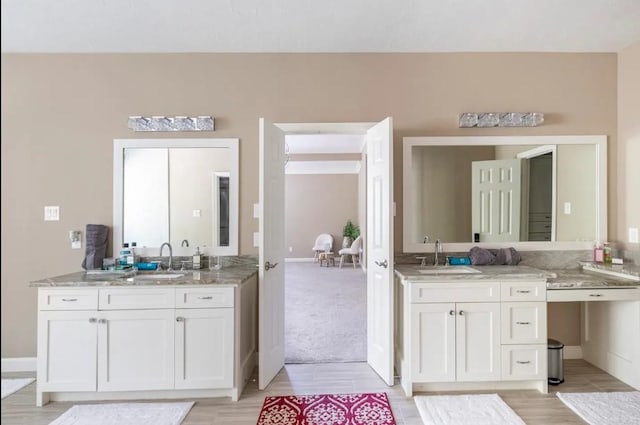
<point x="489" y="257"/>
<point x="97" y="236"/>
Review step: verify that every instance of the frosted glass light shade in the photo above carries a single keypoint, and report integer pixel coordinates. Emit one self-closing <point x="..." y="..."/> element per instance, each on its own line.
<point x="179" y="123"/>
<point x="500" y="119"/>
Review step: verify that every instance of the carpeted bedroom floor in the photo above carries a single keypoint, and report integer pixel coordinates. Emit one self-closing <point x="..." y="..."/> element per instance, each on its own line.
<point x="325" y="313"/>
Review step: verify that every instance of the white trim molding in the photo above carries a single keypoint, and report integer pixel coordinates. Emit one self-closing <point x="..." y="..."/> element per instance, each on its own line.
<point x="572" y="352"/>
<point x="19" y="364"/>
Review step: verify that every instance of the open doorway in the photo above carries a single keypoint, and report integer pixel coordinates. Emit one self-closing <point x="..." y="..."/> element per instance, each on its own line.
<point x="325" y="304"/>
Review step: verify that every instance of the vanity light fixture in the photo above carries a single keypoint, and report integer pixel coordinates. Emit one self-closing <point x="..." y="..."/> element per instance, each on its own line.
<point x="178" y="123"/>
<point x="500" y="119"/>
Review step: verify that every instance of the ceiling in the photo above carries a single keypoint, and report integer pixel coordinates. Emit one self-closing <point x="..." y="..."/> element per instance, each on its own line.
<point x="130" y="26"/>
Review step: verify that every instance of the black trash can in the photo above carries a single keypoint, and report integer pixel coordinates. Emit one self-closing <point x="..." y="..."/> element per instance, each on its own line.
<point x="555" y="361"/>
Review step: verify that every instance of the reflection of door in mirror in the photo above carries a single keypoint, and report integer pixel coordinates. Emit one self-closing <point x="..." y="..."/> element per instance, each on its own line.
<point x="162" y="192"/>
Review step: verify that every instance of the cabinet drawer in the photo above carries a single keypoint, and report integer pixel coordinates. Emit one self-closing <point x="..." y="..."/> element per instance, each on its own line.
<point x="136" y="298"/>
<point x="67" y="299"/>
<point x="524" y="291"/>
<point x="522" y="362"/>
<point x="593" y="294"/>
<point x="455" y="292"/>
<point x="204" y="297"/>
<point x="540" y="216"/>
<point x="524" y="323"/>
<point x="539" y="226"/>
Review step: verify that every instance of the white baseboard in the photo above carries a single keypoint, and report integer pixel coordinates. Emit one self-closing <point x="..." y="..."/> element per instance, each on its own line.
<point x="298" y="260"/>
<point x="572" y="352"/>
<point x="19" y="364"/>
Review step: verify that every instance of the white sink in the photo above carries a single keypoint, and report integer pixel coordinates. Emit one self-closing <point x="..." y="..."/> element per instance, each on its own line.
<point x="448" y="270"/>
<point x="156" y="276"/>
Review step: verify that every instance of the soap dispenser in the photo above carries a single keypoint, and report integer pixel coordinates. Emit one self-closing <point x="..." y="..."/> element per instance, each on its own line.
<point x="197" y="259"/>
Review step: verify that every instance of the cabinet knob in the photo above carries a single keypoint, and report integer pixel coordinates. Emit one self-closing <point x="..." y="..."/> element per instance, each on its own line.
<point x="452" y="312"/>
<point x="103" y="321"/>
<point x="93" y="320"/>
<point x="461" y="313"/>
<point x="179" y="319"/>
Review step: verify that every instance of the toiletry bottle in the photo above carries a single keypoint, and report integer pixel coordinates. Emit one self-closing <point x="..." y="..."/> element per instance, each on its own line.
<point x="598" y="253"/>
<point x="197" y="259"/>
<point x="607" y="253"/>
<point x="124" y="254"/>
<point x="131" y="258"/>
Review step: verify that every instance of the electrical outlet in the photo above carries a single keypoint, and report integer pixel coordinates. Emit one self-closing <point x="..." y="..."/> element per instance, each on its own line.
<point x="51" y="213"/>
<point x="567" y="208"/>
<point x="196" y="213"/>
<point x="290" y="249"/>
<point x="75" y="236"/>
<point x="633" y="235"/>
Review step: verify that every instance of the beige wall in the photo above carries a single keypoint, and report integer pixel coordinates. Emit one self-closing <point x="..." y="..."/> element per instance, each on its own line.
<point x="318" y="203"/>
<point x="61" y="112"/>
<point x="627" y="169"/>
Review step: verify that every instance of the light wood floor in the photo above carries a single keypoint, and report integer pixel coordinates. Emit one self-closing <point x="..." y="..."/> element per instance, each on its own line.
<point x="533" y="407"/>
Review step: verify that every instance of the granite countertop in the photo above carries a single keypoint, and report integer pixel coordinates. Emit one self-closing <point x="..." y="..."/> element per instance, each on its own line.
<point x="412" y="272"/>
<point x="584" y="278"/>
<point x="228" y="276"/>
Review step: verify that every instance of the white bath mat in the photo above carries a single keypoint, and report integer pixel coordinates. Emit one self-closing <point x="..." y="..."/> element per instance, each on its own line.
<point x="480" y="409"/>
<point x="125" y="414"/>
<point x="620" y="408"/>
<point x="10" y="386"/>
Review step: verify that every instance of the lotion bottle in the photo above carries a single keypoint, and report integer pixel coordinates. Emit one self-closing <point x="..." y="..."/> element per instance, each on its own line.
<point x="197" y="259"/>
<point x="598" y="253"/>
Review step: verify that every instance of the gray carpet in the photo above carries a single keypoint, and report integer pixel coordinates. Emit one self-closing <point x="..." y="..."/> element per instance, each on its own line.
<point x="325" y="314"/>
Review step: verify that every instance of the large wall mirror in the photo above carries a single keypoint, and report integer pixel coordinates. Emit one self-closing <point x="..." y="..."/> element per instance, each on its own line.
<point x="529" y="192"/>
<point x="181" y="191"/>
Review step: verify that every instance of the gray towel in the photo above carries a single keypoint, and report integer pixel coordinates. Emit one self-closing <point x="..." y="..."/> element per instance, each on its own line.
<point x="485" y="257"/>
<point x="97" y="241"/>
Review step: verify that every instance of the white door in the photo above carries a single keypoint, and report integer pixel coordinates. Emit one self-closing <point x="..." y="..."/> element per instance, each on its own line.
<point x="433" y="346"/>
<point x="379" y="250"/>
<point x="478" y="342"/>
<point x="204" y="348"/>
<point x="495" y="199"/>
<point x="136" y="350"/>
<point x="271" y="254"/>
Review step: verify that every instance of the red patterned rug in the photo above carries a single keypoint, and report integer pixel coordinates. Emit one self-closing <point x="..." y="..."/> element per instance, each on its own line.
<point x="327" y="409"/>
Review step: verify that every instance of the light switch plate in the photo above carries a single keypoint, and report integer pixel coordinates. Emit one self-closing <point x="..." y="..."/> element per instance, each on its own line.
<point x="633" y="235"/>
<point x="197" y="213"/>
<point x="567" y="208"/>
<point x="51" y="213"/>
<point x="256" y="210"/>
<point x="256" y="239"/>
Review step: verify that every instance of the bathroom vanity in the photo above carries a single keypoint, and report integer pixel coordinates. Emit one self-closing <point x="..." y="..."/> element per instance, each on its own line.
<point x="485" y="327"/>
<point x="481" y="328"/>
<point x="187" y="334"/>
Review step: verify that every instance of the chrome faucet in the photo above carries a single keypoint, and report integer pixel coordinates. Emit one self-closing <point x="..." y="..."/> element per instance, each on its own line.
<point x="170" y="254"/>
<point x="436" y="251"/>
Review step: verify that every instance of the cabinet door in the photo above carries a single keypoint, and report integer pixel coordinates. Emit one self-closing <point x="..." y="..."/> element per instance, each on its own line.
<point x="433" y="352"/>
<point x="135" y="350"/>
<point x="478" y="342"/>
<point x="204" y="348"/>
<point x="67" y="343"/>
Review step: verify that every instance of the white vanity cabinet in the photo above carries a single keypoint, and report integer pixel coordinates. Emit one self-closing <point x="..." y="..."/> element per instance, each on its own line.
<point x="471" y="334"/>
<point x="455" y="341"/>
<point x="145" y="342"/>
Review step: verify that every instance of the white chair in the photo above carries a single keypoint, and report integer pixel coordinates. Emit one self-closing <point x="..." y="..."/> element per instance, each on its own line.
<point x="324" y="243"/>
<point x="353" y="251"/>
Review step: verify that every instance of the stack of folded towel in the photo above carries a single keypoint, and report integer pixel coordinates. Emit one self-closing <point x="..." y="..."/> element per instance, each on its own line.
<point x="96" y="246"/>
<point x="489" y="257"/>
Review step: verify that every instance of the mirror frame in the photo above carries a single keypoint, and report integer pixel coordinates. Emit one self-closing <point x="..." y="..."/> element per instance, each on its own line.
<point x="599" y="142"/>
<point x="119" y="146"/>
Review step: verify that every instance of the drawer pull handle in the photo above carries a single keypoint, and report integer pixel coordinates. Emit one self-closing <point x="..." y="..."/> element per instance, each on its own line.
<point x="523" y="323"/>
<point x="521" y="362"/>
<point x="69" y="300"/>
<point x="523" y="291"/>
<point x="595" y="295"/>
<point x="179" y="319"/>
<point x="103" y="321"/>
<point x="206" y="298"/>
<point x="452" y="312"/>
<point x="93" y="320"/>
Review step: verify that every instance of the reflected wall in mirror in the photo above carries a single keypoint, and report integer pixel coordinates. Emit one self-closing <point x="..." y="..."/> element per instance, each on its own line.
<point x="184" y="191"/>
<point x="534" y="192"/>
